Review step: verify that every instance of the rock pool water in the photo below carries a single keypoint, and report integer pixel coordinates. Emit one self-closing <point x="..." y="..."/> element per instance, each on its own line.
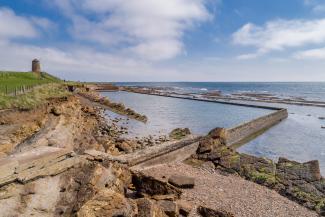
<point x="166" y="114"/>
<point x="300" y="137"/>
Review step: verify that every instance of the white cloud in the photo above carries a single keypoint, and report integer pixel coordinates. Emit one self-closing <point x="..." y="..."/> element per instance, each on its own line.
<point x="80" y="63"/>
<point x="151" y="29"/>
<point x="12" y="26"/>
<point x="318" y="53"/>
<point x="281" y="34"/>
<point x="317" y="6"/>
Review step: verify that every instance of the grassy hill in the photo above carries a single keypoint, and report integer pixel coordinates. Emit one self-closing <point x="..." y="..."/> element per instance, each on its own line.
<point x="11" y="81"/>
<point x="26" y="90"/>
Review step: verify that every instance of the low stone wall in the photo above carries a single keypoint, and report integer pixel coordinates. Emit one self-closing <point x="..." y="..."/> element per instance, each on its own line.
<point x="162" y="153"/>
<point x="177" y="155"/>
<point x="251" y="128"/>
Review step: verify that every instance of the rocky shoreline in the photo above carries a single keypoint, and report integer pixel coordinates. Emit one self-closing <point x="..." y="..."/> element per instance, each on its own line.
<point x="48" y="169"/>
<point x="218" y="95"/>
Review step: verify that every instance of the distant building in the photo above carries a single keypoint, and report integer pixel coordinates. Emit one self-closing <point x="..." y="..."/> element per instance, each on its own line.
<point x="36" y="66"/>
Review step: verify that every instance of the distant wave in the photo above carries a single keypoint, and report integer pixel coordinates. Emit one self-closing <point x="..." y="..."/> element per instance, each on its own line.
<point x="204" y="89"/>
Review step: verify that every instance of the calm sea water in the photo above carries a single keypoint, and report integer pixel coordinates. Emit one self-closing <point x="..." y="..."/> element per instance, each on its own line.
<point x="165" y="114"/>
<point x="300" y="137"/>
<point x="307" y="90"/>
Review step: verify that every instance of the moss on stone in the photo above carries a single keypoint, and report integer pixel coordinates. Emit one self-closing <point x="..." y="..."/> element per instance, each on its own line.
<point x="320" y="205"/>
<point x="261" y="177"/>
<point x="234" y="158"/>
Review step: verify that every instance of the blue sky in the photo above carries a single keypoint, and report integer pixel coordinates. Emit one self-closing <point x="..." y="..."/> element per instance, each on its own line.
<point x="166" y="40"/>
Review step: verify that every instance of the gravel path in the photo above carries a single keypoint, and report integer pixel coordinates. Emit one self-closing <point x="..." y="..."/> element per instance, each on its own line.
<point x="231" y="193"/>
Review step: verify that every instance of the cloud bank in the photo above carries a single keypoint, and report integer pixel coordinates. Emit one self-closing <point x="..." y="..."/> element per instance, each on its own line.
<point x="150" y="29"/>
<point x="279" y="35"/>
<point x="122" y="38"/>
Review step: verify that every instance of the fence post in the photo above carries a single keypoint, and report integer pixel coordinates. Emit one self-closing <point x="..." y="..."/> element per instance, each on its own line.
<point x="6" y="90"/>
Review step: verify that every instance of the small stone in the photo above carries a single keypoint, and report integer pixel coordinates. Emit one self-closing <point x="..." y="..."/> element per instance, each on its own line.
<point x="181" y="181"/>
<point x="56" y="111"/>
<point x="179" y="133"/>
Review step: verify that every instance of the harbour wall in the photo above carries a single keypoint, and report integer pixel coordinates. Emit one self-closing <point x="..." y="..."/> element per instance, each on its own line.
<point x="248" y="129"/>
<point x="243" y="132"/>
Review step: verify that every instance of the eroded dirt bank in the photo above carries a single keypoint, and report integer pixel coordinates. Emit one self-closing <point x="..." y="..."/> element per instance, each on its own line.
<point x="45" y="170"/>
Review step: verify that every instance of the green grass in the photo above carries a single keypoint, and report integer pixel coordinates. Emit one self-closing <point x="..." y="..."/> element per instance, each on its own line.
<point x="39" y="89"/>
<point x="35" y="97"/>
<point x="9" y="81"/>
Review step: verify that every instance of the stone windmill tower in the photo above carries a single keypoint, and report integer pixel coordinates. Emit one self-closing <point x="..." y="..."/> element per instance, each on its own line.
<point x="36" y="67"/>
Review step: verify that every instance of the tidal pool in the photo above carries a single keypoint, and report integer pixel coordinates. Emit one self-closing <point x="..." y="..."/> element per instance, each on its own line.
<point x="165" y="114"/>
<point x="299" y="137"/>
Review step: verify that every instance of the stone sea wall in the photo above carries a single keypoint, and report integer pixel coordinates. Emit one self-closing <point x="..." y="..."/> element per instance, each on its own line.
<point x="248" y="129"/>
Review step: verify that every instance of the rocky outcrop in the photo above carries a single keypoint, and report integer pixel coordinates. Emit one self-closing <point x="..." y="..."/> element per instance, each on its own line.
<point x="149" y="208"/>
<point x="44" y="161"/>
<point x="301" y="182"/>
<point x="181" y="181"/>
<point x="107" y="203"/>
<point x="179" y="133"/>
<point x="151" y="187"/>
<point x="207" y="212"/>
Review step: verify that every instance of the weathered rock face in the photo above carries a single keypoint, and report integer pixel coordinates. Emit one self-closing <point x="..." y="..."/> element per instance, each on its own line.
<point x="207" y="212"/>
<point x="179" y="133"/>
<point x="181" y="181"/>
<point x="308" y="171"/>
<point x="148" y="208"/>
<point x="301" y="182"/>
<point x="150" y="186"/>
<point x="107" y="203"/>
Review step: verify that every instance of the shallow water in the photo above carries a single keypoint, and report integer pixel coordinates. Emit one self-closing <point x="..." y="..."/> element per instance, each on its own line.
<point x="299" y="137"/>
<point x="166" y="114"/>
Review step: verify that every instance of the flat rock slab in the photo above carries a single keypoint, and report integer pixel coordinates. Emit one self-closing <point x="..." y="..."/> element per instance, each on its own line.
<point x="42" y="161"/>
<point x="181" y="181"/>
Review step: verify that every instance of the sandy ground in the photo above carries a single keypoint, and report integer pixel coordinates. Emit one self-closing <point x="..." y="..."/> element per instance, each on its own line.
<point x="231" y="193"/>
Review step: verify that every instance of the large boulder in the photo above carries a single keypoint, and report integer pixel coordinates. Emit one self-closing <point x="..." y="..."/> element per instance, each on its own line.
<point x="218" y="133"/>
<point x="149" y="186"/>
<point x="181" y="181"/>
<point x="302" y="182"/>
<point x="308" y="171"/>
